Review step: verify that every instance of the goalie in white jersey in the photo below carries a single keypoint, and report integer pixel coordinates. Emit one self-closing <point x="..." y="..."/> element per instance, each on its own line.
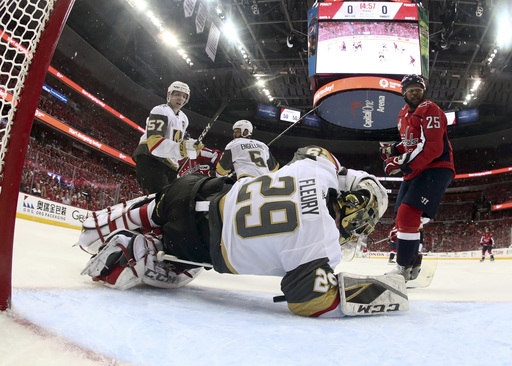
<point x="289" y="224"/>
<point x="245" y="156"/>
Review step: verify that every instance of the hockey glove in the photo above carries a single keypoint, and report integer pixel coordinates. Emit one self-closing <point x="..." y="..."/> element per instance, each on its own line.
<point x="385" y="151"/>
<point x="183" y="149"/>
<point x="395" y="165"/>
<point x="395" y="149"/>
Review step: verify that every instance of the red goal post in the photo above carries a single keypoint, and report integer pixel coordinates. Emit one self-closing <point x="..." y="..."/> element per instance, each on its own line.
<point x="29" y="32"/>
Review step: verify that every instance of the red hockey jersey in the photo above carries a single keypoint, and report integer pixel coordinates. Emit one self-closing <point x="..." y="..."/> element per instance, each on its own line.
<point x="487" y="239"/>
<point x="424" y="133"/>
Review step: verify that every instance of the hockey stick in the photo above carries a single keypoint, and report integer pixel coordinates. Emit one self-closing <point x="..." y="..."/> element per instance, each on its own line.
<point x="380" y="241"/>
<point x="225" y="100"/>
<point x="294" y="123"/>
<point x="161" y="256"/>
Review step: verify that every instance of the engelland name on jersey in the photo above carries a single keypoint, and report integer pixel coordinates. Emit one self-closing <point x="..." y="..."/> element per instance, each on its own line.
<point x="251" y="146"/>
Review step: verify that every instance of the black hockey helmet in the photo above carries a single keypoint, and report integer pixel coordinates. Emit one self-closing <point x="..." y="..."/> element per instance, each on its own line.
<point x="412" y="79"/>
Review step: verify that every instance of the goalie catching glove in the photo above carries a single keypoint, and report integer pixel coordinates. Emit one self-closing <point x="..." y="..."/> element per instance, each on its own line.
<point x="128" y="259"/>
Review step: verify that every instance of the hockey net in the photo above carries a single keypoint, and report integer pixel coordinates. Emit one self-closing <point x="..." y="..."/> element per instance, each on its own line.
<point x="29" y="31"/>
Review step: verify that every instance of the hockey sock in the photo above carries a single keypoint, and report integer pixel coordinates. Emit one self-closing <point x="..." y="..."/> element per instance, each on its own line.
<point x="407" y="252"/>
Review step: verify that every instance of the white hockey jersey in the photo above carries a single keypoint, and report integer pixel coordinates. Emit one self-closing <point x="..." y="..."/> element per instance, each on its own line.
<point x="247" y="157"/>
<point x="164" y="133"/>
<point x="274" y="223"/>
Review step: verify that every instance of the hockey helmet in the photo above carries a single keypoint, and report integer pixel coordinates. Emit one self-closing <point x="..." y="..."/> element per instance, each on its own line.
<point x="243" y="125"/>
<point x="378" y="191"/>
<point x="412" y="79"/>
<point x="359" y="214"/>
<point x="178" y="86"/>
<point x="319" y="154"/>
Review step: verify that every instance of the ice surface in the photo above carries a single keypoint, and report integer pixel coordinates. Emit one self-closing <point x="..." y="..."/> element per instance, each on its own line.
<point x="62" y="318"/>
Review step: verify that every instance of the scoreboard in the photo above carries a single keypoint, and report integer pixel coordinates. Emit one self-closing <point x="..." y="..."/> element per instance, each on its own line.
<point x="354" y="40"/>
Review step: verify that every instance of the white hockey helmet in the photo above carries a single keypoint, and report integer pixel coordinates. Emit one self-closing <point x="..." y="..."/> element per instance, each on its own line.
<point x="178" y="86"/>
<point x="243" y="125"/>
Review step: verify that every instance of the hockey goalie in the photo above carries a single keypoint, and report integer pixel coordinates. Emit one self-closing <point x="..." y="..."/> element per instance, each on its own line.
<point x="289" y="223"/>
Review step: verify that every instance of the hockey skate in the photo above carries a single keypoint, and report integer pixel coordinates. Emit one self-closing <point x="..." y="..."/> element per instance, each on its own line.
<point x="483" y="258"/>
<point x="404" y="271"/>
<point x="416" y="266"/>
<point x="492" y="258"/>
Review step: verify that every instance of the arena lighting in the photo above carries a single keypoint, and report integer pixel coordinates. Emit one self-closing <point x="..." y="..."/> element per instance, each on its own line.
<point x="473" y="92"/>
<point x="169" y="38"/>
<point x="163" y="33"/>
<point x="139" y="4"/>
<point x="231" y="32"/>
<point x="504" y="29"/>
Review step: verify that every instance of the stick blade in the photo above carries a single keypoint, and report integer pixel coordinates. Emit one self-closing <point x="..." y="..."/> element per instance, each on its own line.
<point x="424" y="279"/>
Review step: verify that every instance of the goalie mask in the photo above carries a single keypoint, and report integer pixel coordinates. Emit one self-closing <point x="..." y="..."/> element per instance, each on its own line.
<point x="359" y="214"/>
<point x="180" y="87"/>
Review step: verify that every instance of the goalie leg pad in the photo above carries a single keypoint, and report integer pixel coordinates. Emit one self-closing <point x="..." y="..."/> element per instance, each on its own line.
<point x="163" y="274"/>
<point x="129" y="258"/>
<point x="129" y="215"/>
<point x="114" y="265"/>
<point x="372" y="295"/>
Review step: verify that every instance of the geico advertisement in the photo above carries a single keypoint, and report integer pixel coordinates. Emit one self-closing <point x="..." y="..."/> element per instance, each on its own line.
<point x="40" y="208"/>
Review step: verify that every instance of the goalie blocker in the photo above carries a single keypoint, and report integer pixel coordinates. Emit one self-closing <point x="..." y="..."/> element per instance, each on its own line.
<point x="371" y="295"/>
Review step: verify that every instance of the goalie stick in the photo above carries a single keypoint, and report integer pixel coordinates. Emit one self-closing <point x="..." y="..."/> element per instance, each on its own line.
<point x="426" y="275"/>
<point x="161" y="256"/>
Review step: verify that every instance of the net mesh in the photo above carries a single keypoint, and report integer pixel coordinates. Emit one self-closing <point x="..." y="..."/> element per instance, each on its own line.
<point x="21" y="25"/>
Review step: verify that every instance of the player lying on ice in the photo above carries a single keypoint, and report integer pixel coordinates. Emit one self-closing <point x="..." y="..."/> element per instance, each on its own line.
<point x="289" y="224"/>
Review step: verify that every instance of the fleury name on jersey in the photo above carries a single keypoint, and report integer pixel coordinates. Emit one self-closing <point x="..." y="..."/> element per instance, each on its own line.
<point x="308" y="197"/>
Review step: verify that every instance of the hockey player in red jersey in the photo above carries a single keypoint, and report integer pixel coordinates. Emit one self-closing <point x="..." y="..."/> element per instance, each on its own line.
<point x="424" y="157"/>
<point x="289" y="223"/>
<point x="487" y="243"/>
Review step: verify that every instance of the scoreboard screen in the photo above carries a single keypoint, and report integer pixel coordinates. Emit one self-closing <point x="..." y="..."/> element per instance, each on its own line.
<point x="368" y="38"/>
<point x="368" y="47"/>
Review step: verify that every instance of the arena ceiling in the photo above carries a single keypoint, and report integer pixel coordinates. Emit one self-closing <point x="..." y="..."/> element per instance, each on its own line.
<point x="274" y="33"/>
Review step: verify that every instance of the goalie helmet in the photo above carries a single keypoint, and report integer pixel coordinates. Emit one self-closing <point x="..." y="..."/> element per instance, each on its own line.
<point x="178" y="86"/>
<point x="243" y="125"/>
<point x="359" y="214"/>
<point x="319" y="154"/>
<point x="412" y="79"/>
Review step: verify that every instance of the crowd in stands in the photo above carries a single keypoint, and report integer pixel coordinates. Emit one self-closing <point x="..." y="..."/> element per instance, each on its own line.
<point x="440" y="236"/>
<point x="99" y="125"/>
<point x="54" y="169"/>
